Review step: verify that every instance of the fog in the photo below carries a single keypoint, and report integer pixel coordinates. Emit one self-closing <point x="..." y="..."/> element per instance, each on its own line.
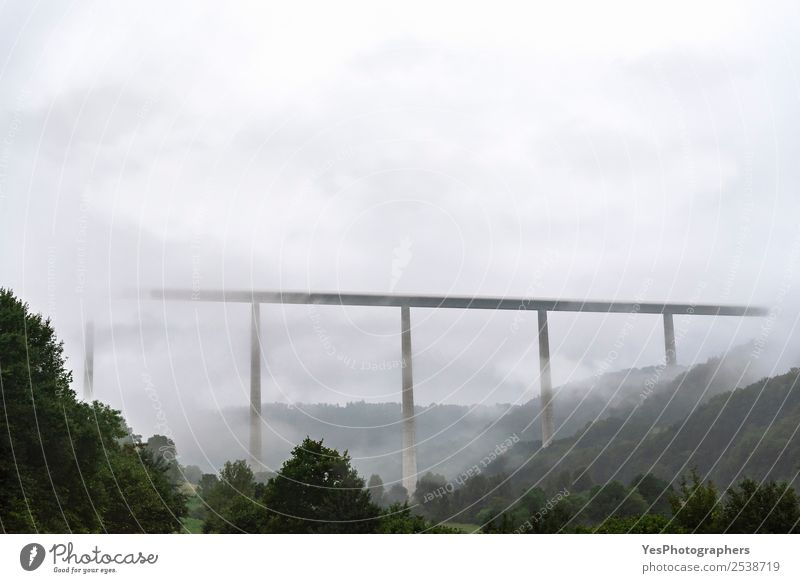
<point x="550" y="153"/>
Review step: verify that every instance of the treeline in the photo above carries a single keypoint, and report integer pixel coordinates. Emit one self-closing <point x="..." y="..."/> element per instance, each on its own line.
<point x="604" y="477"/>
<point x="750" y="432"/>
<point x="316" y="491"/>
<point x="647" y="505"/>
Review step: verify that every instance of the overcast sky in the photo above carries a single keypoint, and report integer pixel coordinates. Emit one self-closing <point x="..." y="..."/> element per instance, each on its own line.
<point x="563" y="151"/>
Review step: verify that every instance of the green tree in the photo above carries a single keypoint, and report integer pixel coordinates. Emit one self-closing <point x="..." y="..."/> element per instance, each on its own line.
<point x="645" y="524"/>
<point x="752" y="508"/>
<point x="655" y="492"/>
<point x="317" y="490"/>
<point x="398" y="519"/>
<point x="139" y="494"/>
<point x="232" y="504"/>
<point x="695" y="505"/>
<point x="63" y="467"/>
<point x="614" y="499"/>
<point x="494" y="523"/>
<point x="432" y="497"/>
<point x="556" y="515"/>
<point x="207" y="483"/>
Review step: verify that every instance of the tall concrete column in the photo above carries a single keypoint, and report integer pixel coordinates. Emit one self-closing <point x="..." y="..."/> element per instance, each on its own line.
<point x="669" y="340"/>
<point x="255" y="386"/>
<point x="409" y="431"/>
<point x="88" y="361"/>
<point x="546" y="391"/>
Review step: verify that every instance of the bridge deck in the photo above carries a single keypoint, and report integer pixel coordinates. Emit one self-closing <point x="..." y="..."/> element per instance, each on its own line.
<point x="455" y="301"/>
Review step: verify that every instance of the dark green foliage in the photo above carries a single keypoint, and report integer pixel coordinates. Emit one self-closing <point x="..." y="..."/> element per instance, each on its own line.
<point x="655" y="492"/>
<point x="749" y="507"/>
<point x="431" y="497"/>
<point x="317" y="490"/>
<point x="63" y="467"/>
<point x="147" y="500"/>
<point x="753" y="508"/>
<point x="614" y="499"/>
<point x="207" y="483"/>
<point x="502" y="523"/>
<point x="478" y="492"/>
<point x="645" y="524"/>
<point x="755" y="426"/>
<point x="398" y="519"/>
<point x="696" y="505"/>
<point x="231" y="502"/>
<point x="535" y="512"/>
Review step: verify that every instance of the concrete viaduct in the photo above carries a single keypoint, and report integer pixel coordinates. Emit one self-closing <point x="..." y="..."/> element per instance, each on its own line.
<point x="405" y="303"/>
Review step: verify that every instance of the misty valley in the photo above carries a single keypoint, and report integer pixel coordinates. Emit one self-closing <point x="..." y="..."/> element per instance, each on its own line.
<point x="711" y="448"/>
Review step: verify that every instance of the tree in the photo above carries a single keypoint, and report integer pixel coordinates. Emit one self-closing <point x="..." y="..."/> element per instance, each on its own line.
<point x="263" y="476"/>
<point x="63" y="467"/>
<point x="582" y="480"/>
<point x="163" y="449"/>
<point x="645" y="524"/>
<point x="467" y="501"/>
<point x="432" y="497"/>
<point x="655" y="492"/>
<point x="398" y="519"/>
<point x="552" y="516"/>
<point x="317" y="490"/>
<point x="232" y="504"/>
<point x="614" y="499"/>
<point x="502" y="523"/>
<point x="397" y="494"/>
<point x="192" y="474"/>
<point x="695" y="505"/>
<point x="207" y="483"/>
<point x="375" y="488"/>
<point x="752" y="508"/>
<point x="140" y="495"/>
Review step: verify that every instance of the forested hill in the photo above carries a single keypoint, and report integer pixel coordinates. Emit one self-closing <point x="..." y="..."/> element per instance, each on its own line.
<point x="748" y="432"/>
<point x="452" y="437"/>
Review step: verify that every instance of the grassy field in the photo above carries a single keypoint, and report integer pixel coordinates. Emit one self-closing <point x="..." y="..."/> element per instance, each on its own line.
<point x="193" y="525"/>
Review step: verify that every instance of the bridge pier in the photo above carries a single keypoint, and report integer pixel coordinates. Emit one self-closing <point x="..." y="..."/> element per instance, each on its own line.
<point x="409" y="469"/>
<point x="545" y="381"/>
<point x="669" y="340"/>
<point x="88" y="362"/>
<point x="255" y="386"/>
